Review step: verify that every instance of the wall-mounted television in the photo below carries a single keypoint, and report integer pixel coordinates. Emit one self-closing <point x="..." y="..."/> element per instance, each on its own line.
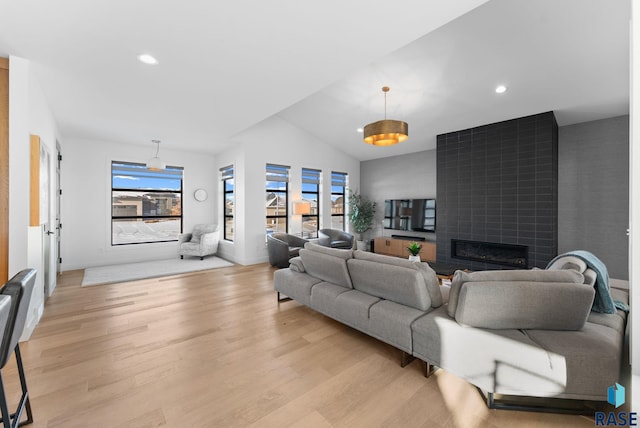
<point x="418" y="215"/>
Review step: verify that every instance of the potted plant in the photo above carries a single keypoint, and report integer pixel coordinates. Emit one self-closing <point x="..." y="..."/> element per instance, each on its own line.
<point x="361" y="213"/>
<point x="414" y="251"/>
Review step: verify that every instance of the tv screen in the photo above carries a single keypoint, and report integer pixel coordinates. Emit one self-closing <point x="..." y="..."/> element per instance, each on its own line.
<point x="418" y="215"/>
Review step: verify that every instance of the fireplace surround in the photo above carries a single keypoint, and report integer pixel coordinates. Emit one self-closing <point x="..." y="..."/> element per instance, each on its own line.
<point x="498" y="183"/>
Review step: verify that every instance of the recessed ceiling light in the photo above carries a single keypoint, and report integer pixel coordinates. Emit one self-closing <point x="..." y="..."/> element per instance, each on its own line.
<point x="360" y="130"/>
<point x="501" y="89"/>
<point x="147" y="59"/>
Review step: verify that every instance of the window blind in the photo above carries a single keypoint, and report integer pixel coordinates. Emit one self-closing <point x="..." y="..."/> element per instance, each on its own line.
<point x="277" y="173"/>
<point x="338" y="179"/>
<point x="311" y="176"/>
<point x="226" y="173"/>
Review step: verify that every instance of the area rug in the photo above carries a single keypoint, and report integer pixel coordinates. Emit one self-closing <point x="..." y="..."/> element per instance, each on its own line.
<point x="152" y="269"/>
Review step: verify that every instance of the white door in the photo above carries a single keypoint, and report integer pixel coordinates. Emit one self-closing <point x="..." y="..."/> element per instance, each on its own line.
<point x="45" y="220"/>
<point x="58" y="198"/>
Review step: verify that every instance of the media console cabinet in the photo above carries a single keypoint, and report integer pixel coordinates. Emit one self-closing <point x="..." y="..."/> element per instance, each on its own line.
<point x="398" y="247"/>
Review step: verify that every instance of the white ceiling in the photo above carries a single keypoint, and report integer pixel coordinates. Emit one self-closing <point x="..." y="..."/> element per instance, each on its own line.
<point x="225" y="66"/>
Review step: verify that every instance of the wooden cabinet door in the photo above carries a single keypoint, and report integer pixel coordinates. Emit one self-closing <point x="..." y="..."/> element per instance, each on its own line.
<point x="383" y="245"/>
<point x="398" y="248"/>
<point x="4" y="169"/>
<point x="428" y="252"/>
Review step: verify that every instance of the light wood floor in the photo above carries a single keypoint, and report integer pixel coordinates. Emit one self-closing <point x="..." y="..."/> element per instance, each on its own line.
<point x="214" y="349"/>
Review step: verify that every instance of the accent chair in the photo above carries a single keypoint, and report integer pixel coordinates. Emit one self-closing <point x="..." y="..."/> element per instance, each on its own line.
<point x="202" y="241"/>
<point x="282" y="247"/>
<point x="335" y="238"/>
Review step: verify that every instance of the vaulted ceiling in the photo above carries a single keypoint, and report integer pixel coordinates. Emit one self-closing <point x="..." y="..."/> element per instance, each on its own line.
<point x="225" y="66"/>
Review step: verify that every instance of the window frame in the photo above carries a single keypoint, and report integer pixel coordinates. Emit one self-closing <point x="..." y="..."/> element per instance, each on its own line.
<point x="277" y="173"/>
<point x="339" y="179"/>
<point x="227" y="173"/>
<point x="145" y="190"/>
<point x="313" y="177"/>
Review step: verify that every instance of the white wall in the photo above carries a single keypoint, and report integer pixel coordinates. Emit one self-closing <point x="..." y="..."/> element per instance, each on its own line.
<point x="634" y="204"/>
<point x="399" y="177"/>
<point x="277" y="141"/>
<point x="29" y="113"/>
<point x="86" y="204"/>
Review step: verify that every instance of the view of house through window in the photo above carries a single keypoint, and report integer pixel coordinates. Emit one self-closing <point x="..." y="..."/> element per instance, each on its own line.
<point x="146" y="206"/>
<point x="277" y="191"/>
<point x="311" y="194"/>
<point x="228" y="201"/>
<point x="338" y="195"/>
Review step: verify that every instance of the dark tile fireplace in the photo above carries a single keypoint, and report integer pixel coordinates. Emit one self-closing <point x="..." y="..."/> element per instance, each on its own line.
<point x="497" y="185"/>
<point x="490" y="252"/>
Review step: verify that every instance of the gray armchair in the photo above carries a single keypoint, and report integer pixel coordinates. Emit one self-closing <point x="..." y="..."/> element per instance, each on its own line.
<point x="282" y="247"/>
<point x="201" y="242"/>
<point x="335" y="238"/>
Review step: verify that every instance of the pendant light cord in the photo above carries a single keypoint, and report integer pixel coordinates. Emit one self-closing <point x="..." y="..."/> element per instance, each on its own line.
<point x="385" y="89"/>
<point x="157" y="147"/>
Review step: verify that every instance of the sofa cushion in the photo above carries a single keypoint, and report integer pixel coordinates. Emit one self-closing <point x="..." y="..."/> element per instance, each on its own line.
<point x="593" y="357"/>
<point x="326" y="267"/>
<point x="335" y="252"/>
<point x="524" y="305"/>
<point x="353" y="308"/>
<point x="395" y="283"/>
<point x="294" y="284"/>
<point x="324" y="296"/>
<point x="430" y="278"/>
<point x="502" y="361"/>
<point x="569" y="262"/>
<point x="534" y="275"/>
<point x="296" y="264"/>
<point x="590" y="277"/>
<point x="391" y="323"/>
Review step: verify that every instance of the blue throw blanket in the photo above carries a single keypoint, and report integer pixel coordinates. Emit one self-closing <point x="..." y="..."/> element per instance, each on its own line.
<point x="603" y="302"/>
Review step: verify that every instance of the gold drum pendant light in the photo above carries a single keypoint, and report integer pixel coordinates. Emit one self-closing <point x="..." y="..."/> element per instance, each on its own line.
<point x="386" y="132"/>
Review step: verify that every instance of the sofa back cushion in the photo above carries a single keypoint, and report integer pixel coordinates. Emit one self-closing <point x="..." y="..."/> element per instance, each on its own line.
<point x="429" y="276"/>
<point x="335" y="252"/>
<point x="327" y="264"/>
<point x="201" y="229"/>
<point x="404" y="285"/>
<point x="524" y="305"/>
<point x="510" y="277"/>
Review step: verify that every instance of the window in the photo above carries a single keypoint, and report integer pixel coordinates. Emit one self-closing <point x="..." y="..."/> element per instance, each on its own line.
<point x="338" y="194"/>
<point x="146" y="206"/>
<point x="228" y="200"/>
<point x="277" y="190"/>
<point x="311" y="194"/>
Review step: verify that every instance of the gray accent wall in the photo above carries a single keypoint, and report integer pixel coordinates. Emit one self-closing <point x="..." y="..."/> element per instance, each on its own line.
<point x="398" y="177"/>
<point x="593" y="188"/>
<point x="593" y="191"/>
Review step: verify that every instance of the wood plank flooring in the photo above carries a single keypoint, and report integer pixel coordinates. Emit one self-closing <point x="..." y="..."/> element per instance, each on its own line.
<point x="215" y="349"/>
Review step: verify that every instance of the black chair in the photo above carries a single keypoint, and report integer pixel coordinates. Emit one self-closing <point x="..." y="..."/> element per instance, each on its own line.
<point x="282" y="247"/>
<point x="335" y="238"/>
<point x="17" y="293"/>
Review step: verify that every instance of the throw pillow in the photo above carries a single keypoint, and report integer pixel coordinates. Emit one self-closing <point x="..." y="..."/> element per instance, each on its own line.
<point x="195" y="237"/>
<point x="433" y="285"/>
<point x="295" y="264"/>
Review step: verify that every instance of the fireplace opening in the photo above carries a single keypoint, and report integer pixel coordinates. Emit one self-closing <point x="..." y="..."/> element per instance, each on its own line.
<point x="490" y="252"/>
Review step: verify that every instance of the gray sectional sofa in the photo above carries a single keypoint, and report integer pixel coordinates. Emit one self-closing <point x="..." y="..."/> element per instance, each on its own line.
<point x="524" y="333"/>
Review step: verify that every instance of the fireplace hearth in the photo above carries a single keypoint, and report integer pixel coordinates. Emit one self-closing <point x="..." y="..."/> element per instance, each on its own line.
<point x="490" y="252"/>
